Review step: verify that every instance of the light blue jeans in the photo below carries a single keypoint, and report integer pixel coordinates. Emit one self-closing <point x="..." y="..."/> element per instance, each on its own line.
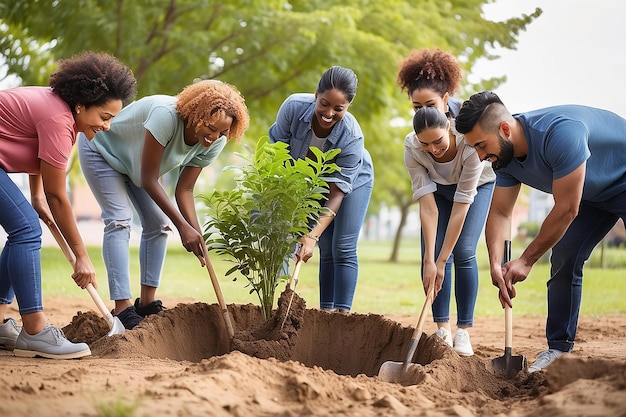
<point x="20" y="261"/>
<point x="115" y="192"/>
<point x="339" y="265"/>
<point x="463" y="255"/>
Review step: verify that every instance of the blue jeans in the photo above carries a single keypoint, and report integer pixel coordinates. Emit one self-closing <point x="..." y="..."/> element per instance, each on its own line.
<point x="463" y="255"/>
<point x="593" y="222"/>
<point x="339" y="265"/>
<point x="20" y="261"/>
<point x="115" y="192"/>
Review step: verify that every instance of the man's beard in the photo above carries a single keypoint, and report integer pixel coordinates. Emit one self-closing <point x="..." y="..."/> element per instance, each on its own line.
<point x="506" y="153"/>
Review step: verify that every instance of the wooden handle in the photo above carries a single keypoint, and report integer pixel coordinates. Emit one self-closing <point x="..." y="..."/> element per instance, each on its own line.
<point x="293" y="281"/>
<point x="99" y="303"/>
<point x="294" y="275"/>
<point x="508" y="329"/>
<point x="218" y="293"/>
<point x="422" y="318"/>
<point x="508" y="311"/>
<point x="56" y="233"/>
<point x="69" y="255"/>
<point x="417" y="333"/>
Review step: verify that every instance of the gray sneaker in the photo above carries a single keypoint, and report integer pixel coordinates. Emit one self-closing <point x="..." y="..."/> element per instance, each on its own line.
<point x="8" y="334"/>
<point x="49" y="343"/>
<point x="544" y="359"/>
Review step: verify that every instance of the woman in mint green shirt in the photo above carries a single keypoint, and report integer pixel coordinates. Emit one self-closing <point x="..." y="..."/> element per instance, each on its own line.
<point x="149" y="138"/>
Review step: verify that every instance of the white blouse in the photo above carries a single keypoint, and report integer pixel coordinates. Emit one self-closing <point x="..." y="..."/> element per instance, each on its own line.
<point x="466" y="169"/>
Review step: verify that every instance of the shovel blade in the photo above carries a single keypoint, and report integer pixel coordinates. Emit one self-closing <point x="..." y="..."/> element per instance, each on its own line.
<point x="508" y="365"/>
<point x="116" y="326"/>
<point x="399" y="372"/>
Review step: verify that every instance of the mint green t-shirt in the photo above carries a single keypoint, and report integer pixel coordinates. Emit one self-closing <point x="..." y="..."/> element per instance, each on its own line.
<point x="122" y="144"/>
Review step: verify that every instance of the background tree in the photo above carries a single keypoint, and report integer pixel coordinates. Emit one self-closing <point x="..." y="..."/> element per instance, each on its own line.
<point x="268" y="49"/>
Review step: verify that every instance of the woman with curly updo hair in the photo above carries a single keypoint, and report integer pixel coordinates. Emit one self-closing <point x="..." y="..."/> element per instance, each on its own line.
<point x="431" y="77"/>
<point x="38" y="128"/>
<point x="150" y="137"/>
<point x="453" y="188"/>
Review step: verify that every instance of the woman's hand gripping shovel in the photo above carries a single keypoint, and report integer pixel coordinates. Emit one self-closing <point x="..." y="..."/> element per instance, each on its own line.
<point x="396" y="371"/>
<point x="114" y="323"/>
<point x="508" y="365"/>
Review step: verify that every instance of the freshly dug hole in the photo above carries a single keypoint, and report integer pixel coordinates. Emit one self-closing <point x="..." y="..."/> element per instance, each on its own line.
<point x="349" y="345"/>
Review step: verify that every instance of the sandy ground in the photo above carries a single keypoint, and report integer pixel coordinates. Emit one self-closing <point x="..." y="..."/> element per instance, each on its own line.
<point x="181" y="363"/>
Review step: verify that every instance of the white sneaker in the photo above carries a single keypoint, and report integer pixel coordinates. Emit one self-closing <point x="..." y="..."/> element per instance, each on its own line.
<point x="462" y="344"/>
<point x="49" y="343"/>
<point x="544" y="359"/>
<point x="9" y="330"/>
<point x="445" y="335"/>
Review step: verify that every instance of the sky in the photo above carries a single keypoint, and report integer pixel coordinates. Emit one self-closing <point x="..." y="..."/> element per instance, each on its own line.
<point x="571" y="54"/>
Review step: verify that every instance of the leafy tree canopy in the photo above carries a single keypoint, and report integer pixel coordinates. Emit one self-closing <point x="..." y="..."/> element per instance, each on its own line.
<point x="268" y="49"/>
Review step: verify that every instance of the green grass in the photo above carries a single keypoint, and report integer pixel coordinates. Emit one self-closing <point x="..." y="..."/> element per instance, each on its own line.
<point x="384" y="287"/>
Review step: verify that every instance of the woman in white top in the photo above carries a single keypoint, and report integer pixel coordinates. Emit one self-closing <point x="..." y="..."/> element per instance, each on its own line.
<point x="454" y="191"/>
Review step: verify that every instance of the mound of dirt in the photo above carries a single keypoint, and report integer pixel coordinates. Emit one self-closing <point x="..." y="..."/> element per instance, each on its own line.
<point x="182" y="362"/>
<point x="276" y="337"/>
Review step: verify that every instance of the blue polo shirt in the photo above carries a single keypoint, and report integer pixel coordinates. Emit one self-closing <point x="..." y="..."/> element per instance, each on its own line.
<point x="560" y="139"/>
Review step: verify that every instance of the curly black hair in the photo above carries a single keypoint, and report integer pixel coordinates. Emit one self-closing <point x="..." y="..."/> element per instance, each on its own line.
<point x="430" y="68"/>
<point x="93" y="79"/>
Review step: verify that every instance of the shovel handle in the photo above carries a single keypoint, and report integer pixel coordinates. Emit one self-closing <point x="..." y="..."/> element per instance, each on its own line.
<point x="69" y="255"/>
<point x="422" y="319"/>
<point x="417" y="333"/>
<point x="218" y="292"/>
<point x="293" y="281"/>
<point x="508" y="311"/>
<point x="508" y="329"/>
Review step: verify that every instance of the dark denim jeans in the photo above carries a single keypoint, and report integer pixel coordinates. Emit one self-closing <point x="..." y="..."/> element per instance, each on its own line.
<point x="339" y="266"/>
<point x="568" y="257"/>
<point x="463" y="255"/>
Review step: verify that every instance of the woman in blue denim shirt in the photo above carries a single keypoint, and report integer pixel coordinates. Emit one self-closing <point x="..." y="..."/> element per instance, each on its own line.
<point x="322" y="120"/>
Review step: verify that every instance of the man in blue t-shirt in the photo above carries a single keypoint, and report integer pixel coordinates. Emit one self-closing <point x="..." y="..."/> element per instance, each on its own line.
<point x="576" y="153"/>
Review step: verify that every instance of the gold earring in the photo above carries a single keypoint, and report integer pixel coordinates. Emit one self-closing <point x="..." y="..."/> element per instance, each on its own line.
<point x="77" y="109"/>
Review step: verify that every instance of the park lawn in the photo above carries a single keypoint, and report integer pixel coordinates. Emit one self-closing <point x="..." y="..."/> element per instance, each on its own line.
<point x="383" y="288"/>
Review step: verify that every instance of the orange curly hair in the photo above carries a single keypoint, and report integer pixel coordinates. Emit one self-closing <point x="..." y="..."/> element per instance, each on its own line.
<point x="206" y="101"/>
<point x="430" y="68"/>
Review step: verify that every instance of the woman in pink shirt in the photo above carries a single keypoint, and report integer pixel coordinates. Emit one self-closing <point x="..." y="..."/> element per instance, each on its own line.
<point x="38" y="128"/>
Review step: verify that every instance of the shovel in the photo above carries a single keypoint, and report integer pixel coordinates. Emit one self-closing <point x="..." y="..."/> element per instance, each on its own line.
<point x="293" y="281"/>
<point x="508" y="364"/>
<point x="114" y="323"/>
<point x="395" y="371"/>
<point x="218" y="293"/>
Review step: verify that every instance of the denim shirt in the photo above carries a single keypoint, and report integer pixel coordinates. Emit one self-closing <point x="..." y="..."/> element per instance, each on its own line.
<point x="293" y="126"/>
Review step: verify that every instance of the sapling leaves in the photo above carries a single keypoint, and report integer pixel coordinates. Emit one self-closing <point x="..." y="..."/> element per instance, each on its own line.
<point x="257" y="225"/>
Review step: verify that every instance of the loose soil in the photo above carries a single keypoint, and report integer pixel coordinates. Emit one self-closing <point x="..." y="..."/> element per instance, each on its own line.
<point x="181" y="362"/>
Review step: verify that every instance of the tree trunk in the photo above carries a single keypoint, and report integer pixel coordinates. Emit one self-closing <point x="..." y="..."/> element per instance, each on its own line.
<point x="404" y="213"/>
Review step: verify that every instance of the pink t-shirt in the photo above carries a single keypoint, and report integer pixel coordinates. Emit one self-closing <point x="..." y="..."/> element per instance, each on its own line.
<point x="35" y="125"/>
